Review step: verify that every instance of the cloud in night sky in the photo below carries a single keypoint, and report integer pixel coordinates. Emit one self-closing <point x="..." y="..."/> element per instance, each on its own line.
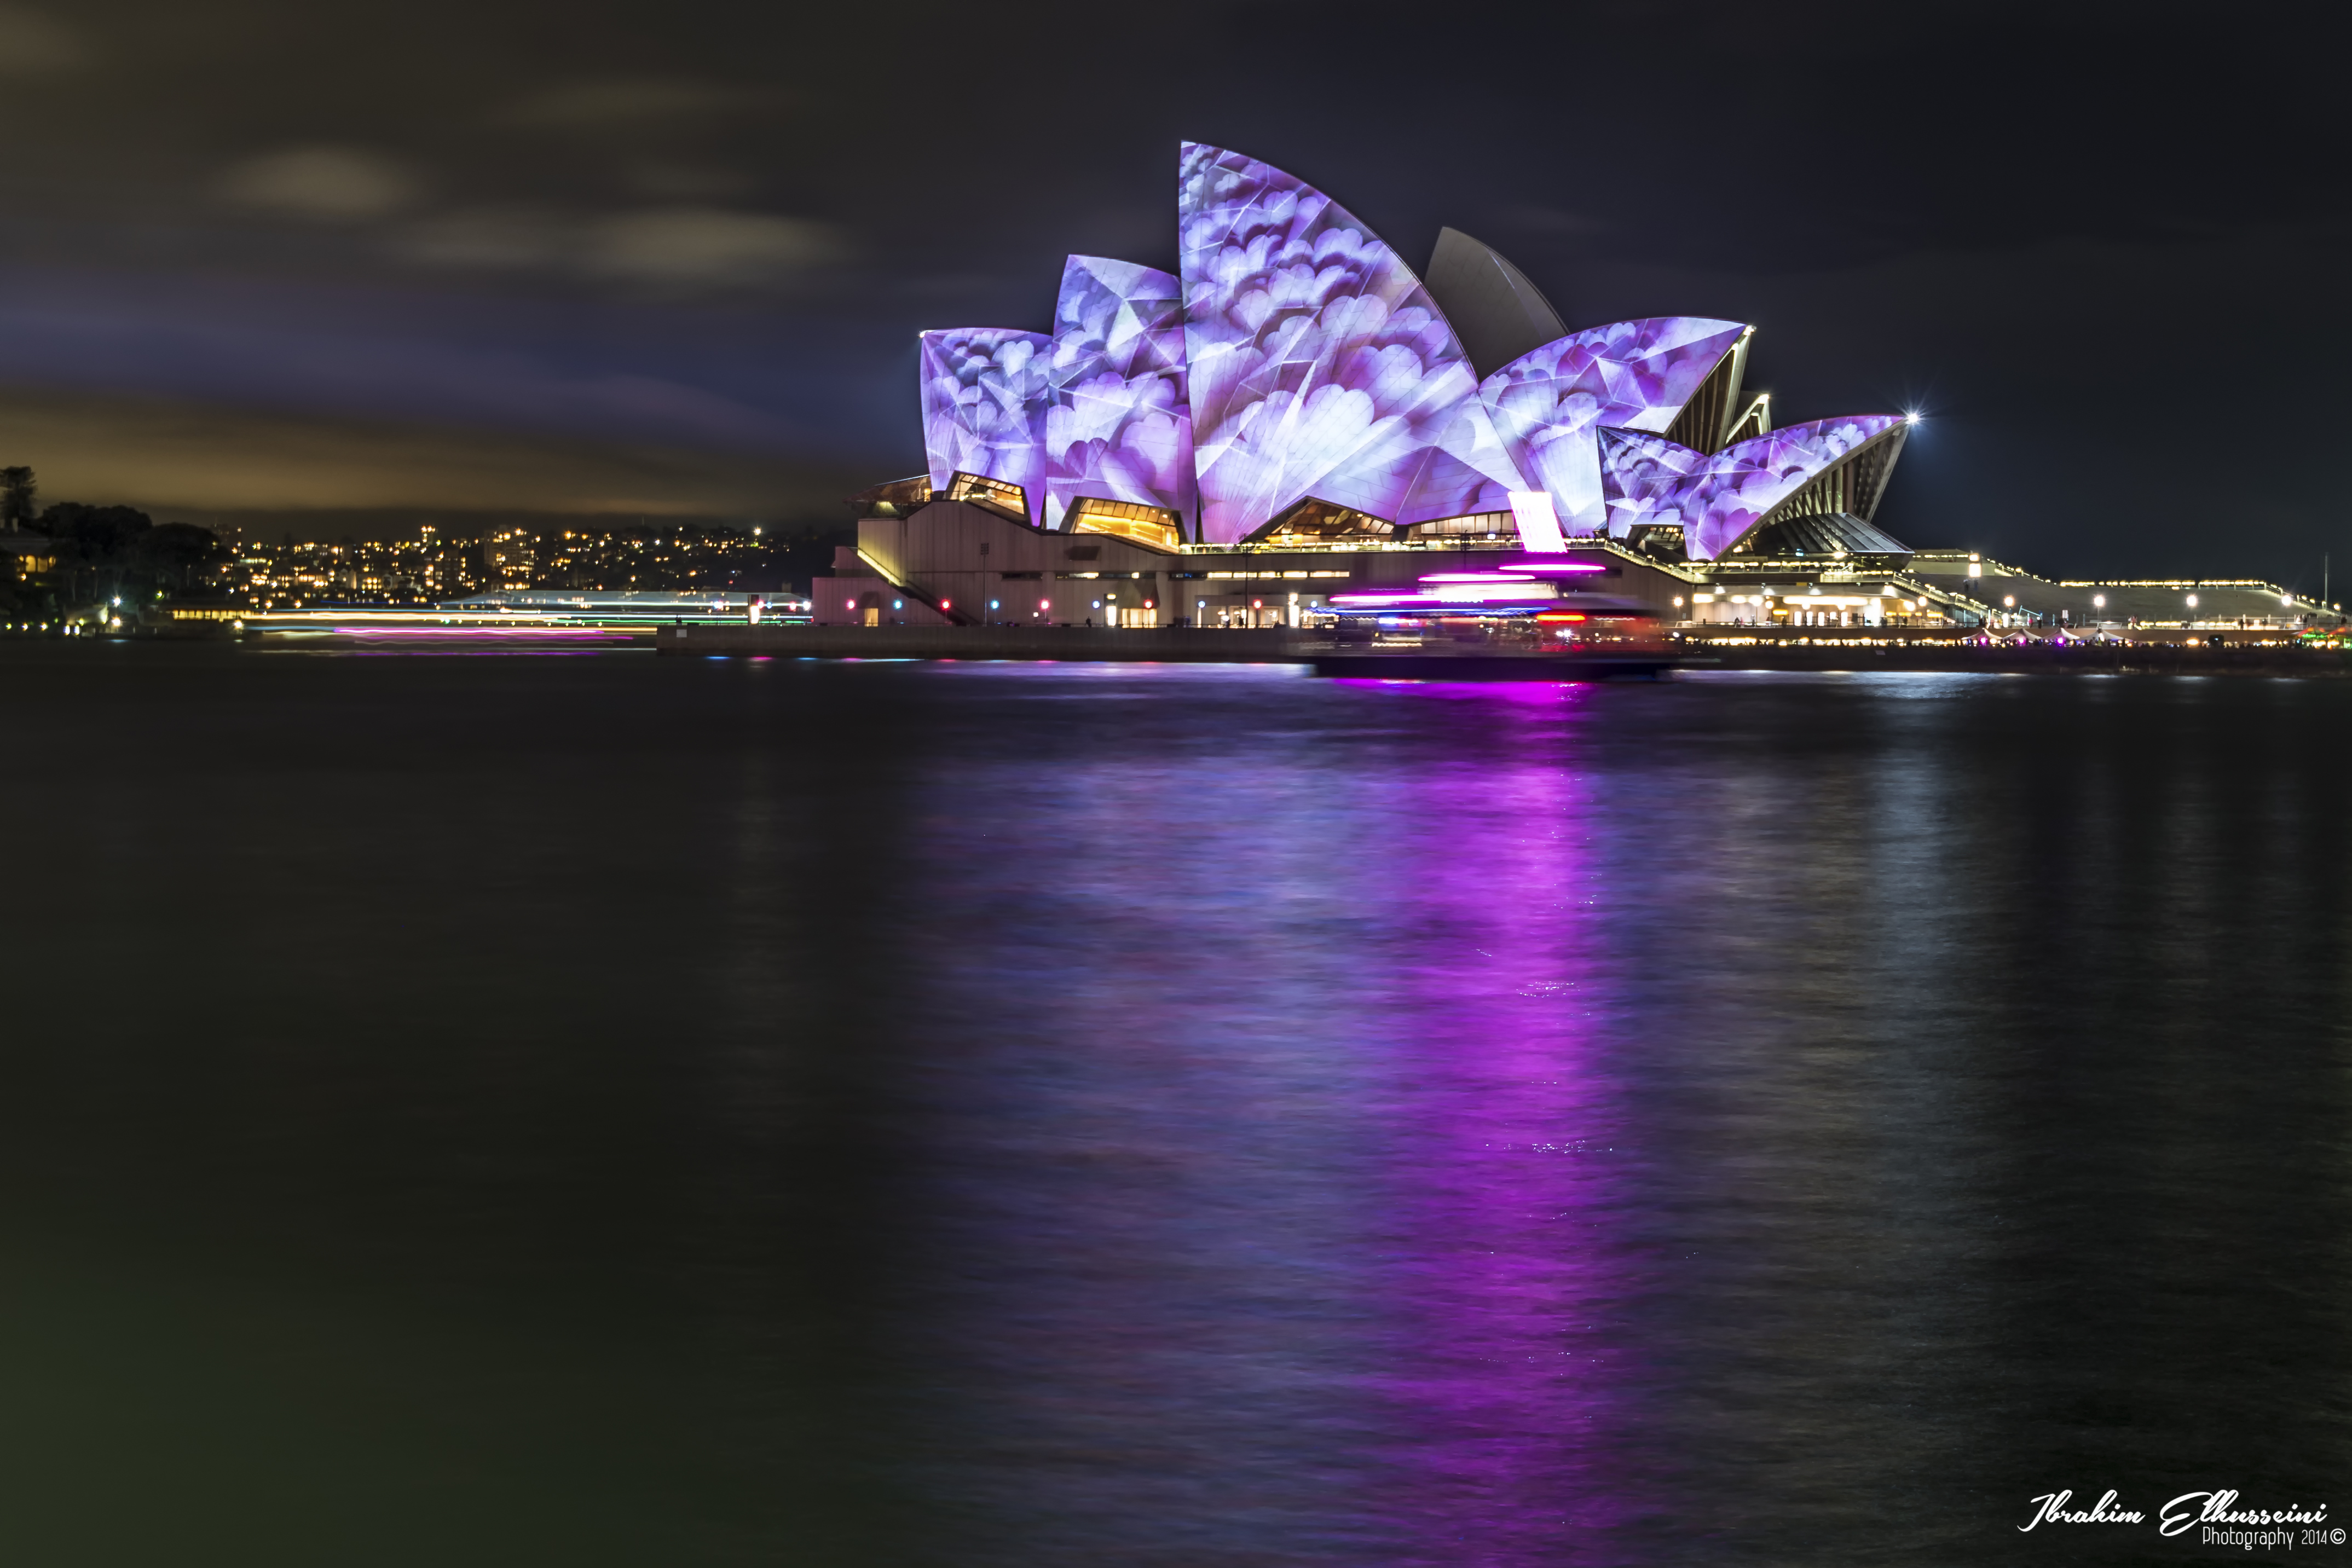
<point x="702" y="244"/>
<point x="690" y="248"/>
<point x="335" y="183"/>
<point x="35" y="45"/>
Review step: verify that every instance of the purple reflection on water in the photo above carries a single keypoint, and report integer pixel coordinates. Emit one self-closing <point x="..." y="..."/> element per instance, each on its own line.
<point x="1280" y="1201"/>
<point x="1532" y="693"/>
<point x="1501" y="1161"/>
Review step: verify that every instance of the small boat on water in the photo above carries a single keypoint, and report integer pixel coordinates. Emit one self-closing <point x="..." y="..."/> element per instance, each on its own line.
<point x="1521" y="622"/>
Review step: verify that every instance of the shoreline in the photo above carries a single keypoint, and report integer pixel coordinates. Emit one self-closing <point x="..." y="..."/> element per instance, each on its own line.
<point x="1184" y="646"/>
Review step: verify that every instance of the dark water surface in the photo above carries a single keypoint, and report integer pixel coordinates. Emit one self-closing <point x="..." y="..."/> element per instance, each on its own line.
<point x="610" y="1110"/>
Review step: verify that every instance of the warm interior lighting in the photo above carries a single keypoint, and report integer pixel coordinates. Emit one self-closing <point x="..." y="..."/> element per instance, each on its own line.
<point x="1125" y="520"/>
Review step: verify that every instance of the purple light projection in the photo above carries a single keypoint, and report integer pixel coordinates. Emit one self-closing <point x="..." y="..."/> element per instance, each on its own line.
<point x="1642" y="477"/>
<point x="1319" y="364"/>
<point x="1299" y="357"/>
<point x="1539" y="521"/>
<point x="1119" y="427"/>
<point x="985" y="392"/>
<point x="1634" y="375"/>
<point x="1717" y="499"/>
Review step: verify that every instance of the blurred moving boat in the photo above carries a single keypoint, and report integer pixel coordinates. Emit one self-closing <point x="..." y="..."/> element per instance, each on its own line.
<point x="1515" y="625"/>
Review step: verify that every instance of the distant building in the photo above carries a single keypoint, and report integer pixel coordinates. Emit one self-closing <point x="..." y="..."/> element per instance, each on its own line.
<point x="2018" y="597"/>
<point x="509" y="557"/>
<point x="25" y="554"/>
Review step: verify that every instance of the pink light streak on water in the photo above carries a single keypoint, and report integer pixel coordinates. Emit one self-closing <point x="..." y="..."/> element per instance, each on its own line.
<point x="1458" y="594"/>
<point x="1502" y="1263"/>
<point x="475" y="632"/>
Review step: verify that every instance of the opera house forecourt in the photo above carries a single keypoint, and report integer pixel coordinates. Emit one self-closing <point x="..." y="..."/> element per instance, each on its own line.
<point x="1296" y="426"/>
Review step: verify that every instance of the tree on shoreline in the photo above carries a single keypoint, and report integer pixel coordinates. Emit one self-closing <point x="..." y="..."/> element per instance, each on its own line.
<point x="102" y="552"/>
<point x="18" y="494"/>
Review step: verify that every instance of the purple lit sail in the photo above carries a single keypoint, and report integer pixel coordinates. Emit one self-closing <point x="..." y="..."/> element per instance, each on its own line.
<point x="1549" y="405"/>
<point x="1119" y="427"/>
<point x="1298" y="357"/>
<point x="1642" y="476"/>
<point x="1718" y="499"/>
<point x="985" y="392"/>
<point x="1320" y="365"/>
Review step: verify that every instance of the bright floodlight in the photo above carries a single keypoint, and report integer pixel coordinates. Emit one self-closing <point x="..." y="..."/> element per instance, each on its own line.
<point x="1911" y="418"/>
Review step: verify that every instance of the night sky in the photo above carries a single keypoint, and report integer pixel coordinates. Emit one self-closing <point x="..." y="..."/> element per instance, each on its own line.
<point x="262" y="256"/>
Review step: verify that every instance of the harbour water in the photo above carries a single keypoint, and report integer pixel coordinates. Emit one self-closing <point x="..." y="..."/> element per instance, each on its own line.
<point x="610" y="1109"/>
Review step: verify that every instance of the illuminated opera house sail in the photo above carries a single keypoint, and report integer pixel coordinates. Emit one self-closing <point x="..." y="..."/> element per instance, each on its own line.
<point x="1296" y="383"/>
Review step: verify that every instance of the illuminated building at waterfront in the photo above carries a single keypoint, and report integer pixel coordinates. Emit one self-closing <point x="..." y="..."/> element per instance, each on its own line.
<point x="1295" y="389"/>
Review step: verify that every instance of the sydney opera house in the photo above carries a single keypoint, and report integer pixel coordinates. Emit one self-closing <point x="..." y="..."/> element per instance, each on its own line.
<point x="1296" y="414"/>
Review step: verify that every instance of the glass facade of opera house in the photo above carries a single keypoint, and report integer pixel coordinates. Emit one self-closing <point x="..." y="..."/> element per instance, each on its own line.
<point x="1295" y="413"/>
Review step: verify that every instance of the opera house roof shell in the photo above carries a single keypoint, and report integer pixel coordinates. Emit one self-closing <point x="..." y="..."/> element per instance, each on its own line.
<point x="1296" y="379"/>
